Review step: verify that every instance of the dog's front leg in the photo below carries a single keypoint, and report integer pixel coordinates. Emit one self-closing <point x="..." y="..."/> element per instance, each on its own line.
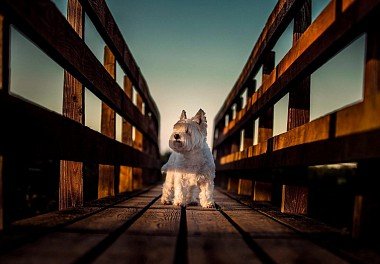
<point x="168" y="188"/>
<point x="206" y="197"/>
<point x="179" y="191"/>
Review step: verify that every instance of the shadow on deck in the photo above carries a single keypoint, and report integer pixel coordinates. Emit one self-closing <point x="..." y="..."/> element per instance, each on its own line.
<point x="139" y="229"/>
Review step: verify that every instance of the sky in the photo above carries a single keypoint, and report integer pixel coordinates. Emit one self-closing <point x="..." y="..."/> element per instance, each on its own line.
<point x="191" y="54"/>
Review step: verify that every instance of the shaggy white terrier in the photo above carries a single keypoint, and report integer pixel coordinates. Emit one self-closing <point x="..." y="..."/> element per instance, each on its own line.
<point x="190" y="170"/>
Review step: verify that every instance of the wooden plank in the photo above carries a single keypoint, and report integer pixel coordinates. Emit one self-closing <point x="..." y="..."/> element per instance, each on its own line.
<point x="266" y="119"/>
<point x="262" y="191"/>
<point x="152" y="238"/>
<point x="103" y="20"/>
<point x="108" y="127"/>
<point x="126" y="180"/>
<point x="44" y="24"/>
<point x="295" y="198"/>
<point x="71" y="173"/>
<point x="4" y="88"/>
<point x="233" y="185"/>
<point x="331" y="136"/>
<point x="279" y="242"/>
<point x="212" y="237"/>
<point x="322" y="40"/>
<point x="53" y="136"/>
<point x="276" y="24"/>
<point x="245" y="187"/>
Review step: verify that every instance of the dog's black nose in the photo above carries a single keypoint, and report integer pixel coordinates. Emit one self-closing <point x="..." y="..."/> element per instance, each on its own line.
<point x="176" y="136"/>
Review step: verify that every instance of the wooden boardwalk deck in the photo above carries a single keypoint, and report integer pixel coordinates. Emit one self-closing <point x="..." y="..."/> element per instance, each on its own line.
<point x="139" y="229"/>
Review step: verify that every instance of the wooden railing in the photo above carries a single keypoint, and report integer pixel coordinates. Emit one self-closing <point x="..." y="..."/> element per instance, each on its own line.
<point x="350" y="134"/>
<point x="28" y="130"/>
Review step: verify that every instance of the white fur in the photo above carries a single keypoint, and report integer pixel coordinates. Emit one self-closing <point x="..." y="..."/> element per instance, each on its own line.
<point x="190" y="170"/>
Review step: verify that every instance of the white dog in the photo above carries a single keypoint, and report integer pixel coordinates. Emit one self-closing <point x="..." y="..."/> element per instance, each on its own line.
<point x="191" y="166"/>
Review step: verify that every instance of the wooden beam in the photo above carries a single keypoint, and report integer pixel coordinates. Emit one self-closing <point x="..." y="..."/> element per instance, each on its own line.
<point x="108" y="128"/>
<point x="126" y="176"/>
<point x="71" y="173"/>
<point x="276" y="24"/>
<point x="50" y="31"/>
<point x="262" y="191"/>
<point x="266" y="119"/>
<point x="245" y="187"/>
<point x="233" y="185"/>
<point x="295" y="198"/>
<point x="4" y="90"/>
<point x="104" y="22"/>
<point x="138" y="144"/>
<point x="324" y="38"/>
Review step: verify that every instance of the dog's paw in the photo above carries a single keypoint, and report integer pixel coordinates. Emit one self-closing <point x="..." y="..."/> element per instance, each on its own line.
<point x="192" y="204"/>
<point x="165" y="202"/>
<point x="178" y="203"/>
<point x="208" y="205"/>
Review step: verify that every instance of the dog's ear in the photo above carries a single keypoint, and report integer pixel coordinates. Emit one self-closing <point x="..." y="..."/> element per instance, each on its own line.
<point x="200" y="117"/>
<point x="183" y="115"/>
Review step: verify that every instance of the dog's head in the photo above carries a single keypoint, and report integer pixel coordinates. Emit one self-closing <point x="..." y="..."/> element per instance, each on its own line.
<point x="189" y="134"/>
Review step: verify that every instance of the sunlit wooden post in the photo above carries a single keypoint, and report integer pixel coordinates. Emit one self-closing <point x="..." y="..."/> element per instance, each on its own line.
<point x="262" y="191"/>
<point x="366" y="203"/>
<point x="138" y="144"/>
<point x="108" y="128"/>
<point x="4" y="89"/>
<point x="126" y="180"/>
<point x="295" y="198"/>
<point x="71" y="173"/>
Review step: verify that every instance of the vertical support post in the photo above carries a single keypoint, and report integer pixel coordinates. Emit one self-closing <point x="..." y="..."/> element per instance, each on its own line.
<point x="4" y="89"/>
<point x="108" y="128"/>
<point x="249" y="129"/>
<point x="295" y="198"/>
<point x="233" y="185"/>
<point x="71" y="173"/>
<point x="245" y="187"/>
<point x="138" y="144"/>
<point x="125" y="177"/>
<point x="262" y="191"/>
<point x="366" y="202"/>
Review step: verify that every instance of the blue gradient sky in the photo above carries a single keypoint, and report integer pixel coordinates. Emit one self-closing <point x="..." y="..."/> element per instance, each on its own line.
<point x="191" y="53"/>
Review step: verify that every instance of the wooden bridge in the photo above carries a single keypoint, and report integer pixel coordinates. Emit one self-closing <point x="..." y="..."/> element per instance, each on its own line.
<point x="272" y="201"/>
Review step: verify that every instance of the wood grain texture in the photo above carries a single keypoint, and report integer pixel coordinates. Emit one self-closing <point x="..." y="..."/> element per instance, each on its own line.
<point x="323" y="39"/>
<point x="44" y="24"/>
<point x="372" y="63"/>
<point x="294" y="199"/>
<point x="53" y="136"/>
<point x="262" y="191"/>
<point x="210" y="234"/>
<point x="233" y="185"/>
<point x="245" y="187"/>
<point x="276" y="24"/>
<point x="103" y="20"/>
<point x="71" y="173"/>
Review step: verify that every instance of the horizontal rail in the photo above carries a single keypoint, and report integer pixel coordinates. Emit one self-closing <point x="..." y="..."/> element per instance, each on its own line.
<point x="347" y="135"/>
<point x="276" y="24"/>
<point x="103" y="20"/>
<point x="33" y="131"/>
<point x="328" y="34"/>
<point x="42" y="22"/>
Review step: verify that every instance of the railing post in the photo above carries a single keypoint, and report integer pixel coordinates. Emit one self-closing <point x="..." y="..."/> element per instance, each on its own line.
<point x="108" y="128"/>
<point x="366" y="202"/>
<point x="262" y="191"/>
<point x="125" y="177"/>
<point x="138" y="144"/>
<point x="295" y="198"/>
<point x="4" y="89"/>
<point x="71" y="173"/>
